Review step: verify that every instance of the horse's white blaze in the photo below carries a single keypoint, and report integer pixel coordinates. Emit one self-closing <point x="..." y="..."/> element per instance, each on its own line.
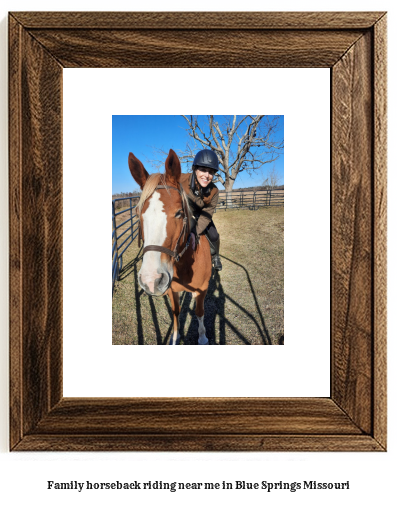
<point x="155" y="233"/>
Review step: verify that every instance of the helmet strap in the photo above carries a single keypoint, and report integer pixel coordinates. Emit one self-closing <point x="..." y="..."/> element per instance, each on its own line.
<point x="194" y="185"/>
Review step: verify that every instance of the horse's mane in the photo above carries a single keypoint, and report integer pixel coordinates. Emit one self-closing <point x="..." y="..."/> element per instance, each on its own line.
<point x="151" y="183"/>
<point x="150" y="186"/>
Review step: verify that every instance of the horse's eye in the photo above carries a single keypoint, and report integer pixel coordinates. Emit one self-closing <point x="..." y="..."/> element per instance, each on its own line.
<point x="179" y="213"/>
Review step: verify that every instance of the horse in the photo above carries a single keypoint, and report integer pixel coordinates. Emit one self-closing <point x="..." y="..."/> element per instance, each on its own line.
<point x="170" y="263"/>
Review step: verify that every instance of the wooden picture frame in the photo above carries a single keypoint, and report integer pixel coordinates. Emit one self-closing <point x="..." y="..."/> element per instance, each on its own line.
<point x="353" y="46"/>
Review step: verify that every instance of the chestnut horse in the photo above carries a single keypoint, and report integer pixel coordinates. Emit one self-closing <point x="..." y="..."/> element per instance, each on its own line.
<point x="170" y="265"/>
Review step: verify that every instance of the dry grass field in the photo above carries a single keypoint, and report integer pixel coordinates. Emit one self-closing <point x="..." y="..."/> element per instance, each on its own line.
<point x="244" y="303"/>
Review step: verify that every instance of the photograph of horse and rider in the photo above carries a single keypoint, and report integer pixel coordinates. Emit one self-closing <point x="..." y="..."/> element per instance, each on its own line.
<point x="198" y="230"/>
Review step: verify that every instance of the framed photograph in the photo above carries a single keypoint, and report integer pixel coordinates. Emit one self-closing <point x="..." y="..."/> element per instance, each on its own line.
<point x="353" y="46"/>
<point x="245" y="295"/>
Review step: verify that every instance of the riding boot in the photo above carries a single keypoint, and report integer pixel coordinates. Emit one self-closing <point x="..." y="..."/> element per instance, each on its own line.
<point x="216" y="260"/>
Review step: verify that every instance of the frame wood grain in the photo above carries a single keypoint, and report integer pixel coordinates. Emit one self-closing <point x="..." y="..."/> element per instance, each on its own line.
<point x="353" y="46"/>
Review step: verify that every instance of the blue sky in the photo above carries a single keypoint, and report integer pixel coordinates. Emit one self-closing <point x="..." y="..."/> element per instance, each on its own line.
<point x="142" y="135"/>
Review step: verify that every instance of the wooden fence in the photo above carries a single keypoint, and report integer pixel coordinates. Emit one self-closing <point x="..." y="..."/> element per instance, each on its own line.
<point x="250" y="199"/>
<point x="228" y="200"/>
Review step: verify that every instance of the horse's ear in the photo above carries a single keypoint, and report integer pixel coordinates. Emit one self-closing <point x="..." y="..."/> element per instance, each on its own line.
<point x="137" y="170"/>
<point x="172" y="168"/>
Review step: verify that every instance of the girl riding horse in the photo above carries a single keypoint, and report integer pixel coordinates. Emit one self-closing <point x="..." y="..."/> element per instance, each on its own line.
<point x="203" y="197"/>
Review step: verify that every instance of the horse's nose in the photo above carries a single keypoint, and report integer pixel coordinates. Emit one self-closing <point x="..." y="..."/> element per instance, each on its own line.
<point x="158" y="282"/>
<point x="155" y="287"/>
<point x="161" y="284"/>
<point x="147" y="284"/>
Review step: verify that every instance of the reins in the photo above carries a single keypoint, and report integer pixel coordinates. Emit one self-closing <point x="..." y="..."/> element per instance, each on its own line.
<point x="156" y="248"/>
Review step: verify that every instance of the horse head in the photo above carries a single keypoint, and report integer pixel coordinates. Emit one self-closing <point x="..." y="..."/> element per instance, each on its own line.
<point x="163" y="219"/>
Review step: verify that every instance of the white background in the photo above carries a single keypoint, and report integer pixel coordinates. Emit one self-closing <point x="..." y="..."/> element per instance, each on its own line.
<point x="229" y="371"/>
<point x="23" y="476"/>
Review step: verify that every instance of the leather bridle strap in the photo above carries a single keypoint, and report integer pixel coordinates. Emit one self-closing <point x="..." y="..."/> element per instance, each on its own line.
<point x="157" y="248"/>
<point x="172" y="253"/>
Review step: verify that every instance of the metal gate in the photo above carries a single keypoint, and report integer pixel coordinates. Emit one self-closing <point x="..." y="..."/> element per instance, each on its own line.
<point x="127" y="236"/>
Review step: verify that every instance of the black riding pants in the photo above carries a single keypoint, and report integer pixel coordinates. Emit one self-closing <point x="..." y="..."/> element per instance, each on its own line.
<point x="211" y="232"/>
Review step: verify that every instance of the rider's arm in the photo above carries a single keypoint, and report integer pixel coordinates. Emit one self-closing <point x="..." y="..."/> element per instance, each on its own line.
<point x="206" y="214"/>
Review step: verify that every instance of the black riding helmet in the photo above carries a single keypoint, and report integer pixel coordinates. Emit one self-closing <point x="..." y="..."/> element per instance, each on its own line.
<point x="206" y="158"/>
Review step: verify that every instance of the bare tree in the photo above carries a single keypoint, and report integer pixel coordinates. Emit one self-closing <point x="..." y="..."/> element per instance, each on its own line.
<point x="242" y="143"/>
<point x="272" y="178"/>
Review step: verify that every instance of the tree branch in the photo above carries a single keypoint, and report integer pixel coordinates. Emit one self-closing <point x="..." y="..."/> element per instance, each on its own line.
<point x="250" y="147"/>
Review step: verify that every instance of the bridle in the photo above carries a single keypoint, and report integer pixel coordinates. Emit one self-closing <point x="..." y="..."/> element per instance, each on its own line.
<point x="156" y="248"/>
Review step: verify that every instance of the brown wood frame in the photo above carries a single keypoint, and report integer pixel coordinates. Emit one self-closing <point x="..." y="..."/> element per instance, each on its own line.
<point x="353" y="46"/>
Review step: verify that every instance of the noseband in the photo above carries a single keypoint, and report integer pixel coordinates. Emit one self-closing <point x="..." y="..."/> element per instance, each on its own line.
<point x="156" y="248"/>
